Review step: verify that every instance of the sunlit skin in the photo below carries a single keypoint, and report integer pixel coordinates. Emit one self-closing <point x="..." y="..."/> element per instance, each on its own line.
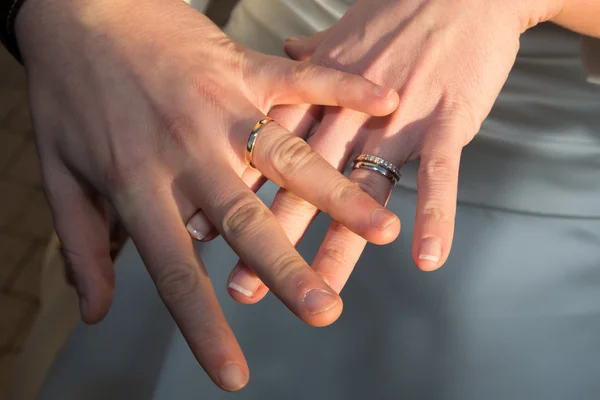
<point x="146" y="106"/>
<point x="448" y="61"/>
<point x="125" y="117"/>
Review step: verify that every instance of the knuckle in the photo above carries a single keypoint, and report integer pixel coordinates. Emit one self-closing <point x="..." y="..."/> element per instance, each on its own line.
<point x="286" y="267"/>
<point x="206" y="88"/>
<point x="125" y="183"/>
<point x="232" y="54"/>
<point x="330" y="56"/>
<point x="294" y="203"/>
<point x="73" y="259"/>
<point x="291" y="155"/>
<point x="460" y="114"/>
<point x="178" y="282"/>
<point x="119" y="178"/>
<point x="437" y="214"/>
<point x="244" y="215"/>
<point x="302" y="72"/>
<point x="214" y="335"/>
<point x="437" y="168"/>
<point x="343" y="83"/>
<point x="126" y="173"/>
<point x="84" y="257"/>
<point x="335" y="254"/>
<point x="179" y="131"/>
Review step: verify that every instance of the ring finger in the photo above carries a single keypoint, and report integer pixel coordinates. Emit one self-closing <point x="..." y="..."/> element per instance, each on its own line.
<point x="253" y="233"/>
<point x="299" y="120"/>
<point x="436" y="205"/>
<point x="292" y="211"/>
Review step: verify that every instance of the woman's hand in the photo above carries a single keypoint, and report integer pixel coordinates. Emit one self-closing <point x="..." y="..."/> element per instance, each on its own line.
<point x="149" y="106"/>
<point x="448" y="60"/>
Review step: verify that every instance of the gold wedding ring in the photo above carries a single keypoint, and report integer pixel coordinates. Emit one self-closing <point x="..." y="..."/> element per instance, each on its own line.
<point x="252" y="139"/>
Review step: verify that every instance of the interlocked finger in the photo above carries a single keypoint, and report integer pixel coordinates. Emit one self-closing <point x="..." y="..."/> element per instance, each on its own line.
<point x="183" y="284"/>
<point x="292" y="164"/>
<point x="300" y="121"/>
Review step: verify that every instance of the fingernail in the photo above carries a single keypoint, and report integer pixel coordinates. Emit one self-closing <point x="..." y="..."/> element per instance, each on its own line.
<point x="199" y="227"/>
<point x="431" y="249"/>
<point x="382" y="218"/>
<point x="291" y="38"/>
<point x="232" y="377"/>
<point x="384" y="92"/>
<point x="318" y="300"/>
<point x="244" y="281"/>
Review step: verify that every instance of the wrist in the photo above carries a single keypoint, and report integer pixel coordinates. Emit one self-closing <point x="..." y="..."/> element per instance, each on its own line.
<point x="45" y="26"/>
<point x="68" y="29"/>
<point x="534" y="12"/>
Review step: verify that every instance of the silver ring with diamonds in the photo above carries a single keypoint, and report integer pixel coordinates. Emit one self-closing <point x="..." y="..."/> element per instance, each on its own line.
<point x="378" y="164"/>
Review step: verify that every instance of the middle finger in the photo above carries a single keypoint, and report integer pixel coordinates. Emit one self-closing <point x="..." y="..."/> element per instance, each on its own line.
<point x="295" y="213"/>
<point x="291" y="163"/>
<point x="253" y="232"/>
<point x="183" y="283"/>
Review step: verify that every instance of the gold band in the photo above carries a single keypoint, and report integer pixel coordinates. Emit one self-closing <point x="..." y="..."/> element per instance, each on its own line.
<point x="252" y="139"/>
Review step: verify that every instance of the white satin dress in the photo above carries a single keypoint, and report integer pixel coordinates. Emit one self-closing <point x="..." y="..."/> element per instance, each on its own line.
<point x="514" y="314"/>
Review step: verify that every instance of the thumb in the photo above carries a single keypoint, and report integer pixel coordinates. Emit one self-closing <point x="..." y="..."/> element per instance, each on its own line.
<point x="301" y="48"/>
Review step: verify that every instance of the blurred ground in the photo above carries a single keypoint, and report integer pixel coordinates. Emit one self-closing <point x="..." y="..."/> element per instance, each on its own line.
<point x="25" y="220"/>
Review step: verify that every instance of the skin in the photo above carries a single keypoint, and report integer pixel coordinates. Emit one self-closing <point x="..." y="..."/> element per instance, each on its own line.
<point x="460" y="54"/>
<point x="126" y="119"/>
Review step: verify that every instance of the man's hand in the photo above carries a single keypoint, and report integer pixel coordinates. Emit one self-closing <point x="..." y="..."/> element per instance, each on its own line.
<point x="147" y="106"/>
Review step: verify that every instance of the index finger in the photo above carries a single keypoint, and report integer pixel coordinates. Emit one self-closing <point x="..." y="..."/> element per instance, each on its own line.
<point x="183" y="284"/>
<point x="253" y="232"/>
<point x="292" y="164"/>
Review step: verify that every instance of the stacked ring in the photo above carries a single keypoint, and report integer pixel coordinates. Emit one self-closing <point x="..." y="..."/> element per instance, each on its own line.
<point x="379" y="165"/>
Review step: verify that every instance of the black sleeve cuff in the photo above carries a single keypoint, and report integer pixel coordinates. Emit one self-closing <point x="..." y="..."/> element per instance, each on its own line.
<point x="8" y="14"/>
